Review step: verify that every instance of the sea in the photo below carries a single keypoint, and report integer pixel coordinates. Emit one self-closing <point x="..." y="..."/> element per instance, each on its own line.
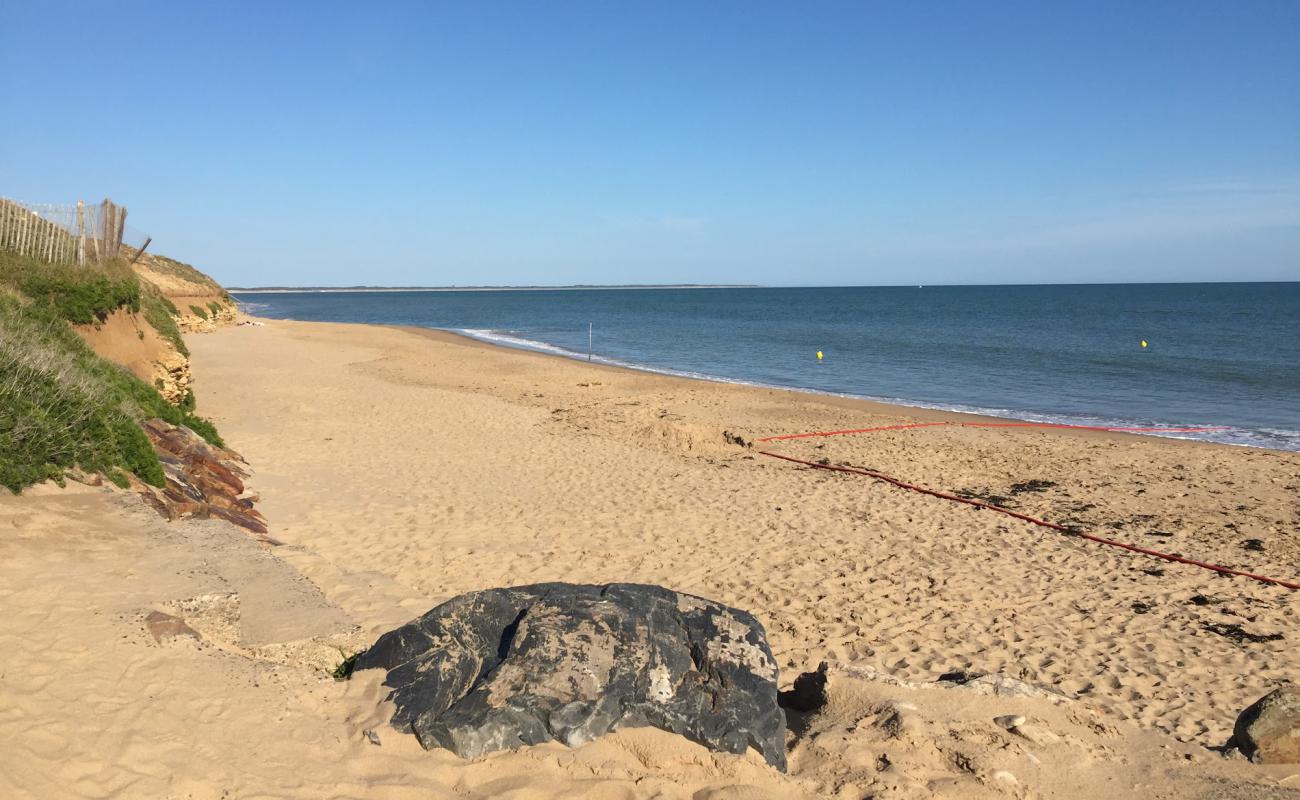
<point x="1215" y="354"/>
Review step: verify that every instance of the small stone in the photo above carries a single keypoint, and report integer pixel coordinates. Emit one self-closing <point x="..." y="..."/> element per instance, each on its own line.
<point x="1035" y="734"/>
<point x="998" y="686"/>
<point x="165" y="626"/>
<point x="1009" y="721"/>
<point x="900" y="723"/>
<point x="1003" y="776"/>
<point x="1268" y="732"/>
<point x="373" y="737"/>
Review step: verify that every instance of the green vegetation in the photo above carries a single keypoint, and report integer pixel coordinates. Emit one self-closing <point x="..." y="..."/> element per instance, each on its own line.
<point x="215" y="308"/>
<point x="344" y="670"/>
<point x="198" y="310"/>
<point x="179" y="269"/>
<point x="62" y="406"/>
<point x="161" y="314"/>
<point x="80" y="294"/>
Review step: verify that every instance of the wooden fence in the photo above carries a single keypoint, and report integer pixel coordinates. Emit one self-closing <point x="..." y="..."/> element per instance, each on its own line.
<point x="75" y="234"/>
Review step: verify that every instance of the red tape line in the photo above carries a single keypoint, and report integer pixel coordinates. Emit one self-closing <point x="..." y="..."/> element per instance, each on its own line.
<point x="880" y="476"/>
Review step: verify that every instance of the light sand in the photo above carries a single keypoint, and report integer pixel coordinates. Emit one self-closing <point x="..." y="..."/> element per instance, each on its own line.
<point x="402" y="468"/>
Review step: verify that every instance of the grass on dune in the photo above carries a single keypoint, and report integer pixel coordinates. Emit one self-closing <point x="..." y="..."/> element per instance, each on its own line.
<point x="61" y="405"/>
<point x="78" y="294"/>
<point x="179" y="269"/>
<point x="161" y="314"/>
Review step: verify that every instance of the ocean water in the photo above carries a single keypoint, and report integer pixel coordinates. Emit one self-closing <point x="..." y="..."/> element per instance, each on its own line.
<point x="1218" y="354"/>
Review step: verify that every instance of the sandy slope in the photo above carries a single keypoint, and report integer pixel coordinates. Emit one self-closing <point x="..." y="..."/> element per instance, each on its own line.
<point x="402" y="468"/>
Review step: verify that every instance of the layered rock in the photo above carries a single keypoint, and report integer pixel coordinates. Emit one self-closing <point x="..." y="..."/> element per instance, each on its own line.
<point x="201" y="480"/>
<point x="201" y="304"/>
<point x="215" y="315"/>
<point x="504" y="668"/>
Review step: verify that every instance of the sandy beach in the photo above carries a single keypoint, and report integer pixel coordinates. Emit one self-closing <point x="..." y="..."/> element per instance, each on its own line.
<point x="401" y="467"/>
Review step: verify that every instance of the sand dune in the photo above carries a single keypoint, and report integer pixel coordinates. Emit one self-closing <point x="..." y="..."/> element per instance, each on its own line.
<point x="402" y="468"/>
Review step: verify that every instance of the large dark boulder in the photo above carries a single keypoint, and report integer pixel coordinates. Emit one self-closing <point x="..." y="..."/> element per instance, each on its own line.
<point x="504" y="668"/>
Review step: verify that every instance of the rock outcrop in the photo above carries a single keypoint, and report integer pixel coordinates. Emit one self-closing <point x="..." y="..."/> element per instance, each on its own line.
<point x="201" y="304"/>
<point x="201" y="480"/>
<point x="127" y="339"/>
<point x="214" y="316"/>
<point x="1268" y="732"/>
<point x="195" y="302"/>
<point x="504" y="668"/>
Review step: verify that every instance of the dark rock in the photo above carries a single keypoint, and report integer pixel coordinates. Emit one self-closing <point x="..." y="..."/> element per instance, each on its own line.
<point x="504" y="668"/>
<point x="250" y="521"/>
<point x="736" y="439"/>
<point x="808" y="693"/>
<point x="1268" y="732"/>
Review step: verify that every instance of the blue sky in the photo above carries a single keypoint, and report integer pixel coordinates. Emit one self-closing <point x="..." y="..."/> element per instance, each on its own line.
<point x="554" y="143"/>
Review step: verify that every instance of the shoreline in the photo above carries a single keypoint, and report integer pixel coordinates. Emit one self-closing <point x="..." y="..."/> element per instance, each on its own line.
<point x="1103" y="384"/>
<point x="1248" y="432"/>
<point x="865" y="404"/>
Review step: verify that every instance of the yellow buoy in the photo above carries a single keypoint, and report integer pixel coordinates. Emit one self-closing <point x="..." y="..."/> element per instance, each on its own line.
<point x="1144" y="344"/>
<point x="819" y="356"/>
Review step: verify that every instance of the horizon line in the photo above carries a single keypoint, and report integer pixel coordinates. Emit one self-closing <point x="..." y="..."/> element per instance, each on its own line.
<point x="652" y="286"/>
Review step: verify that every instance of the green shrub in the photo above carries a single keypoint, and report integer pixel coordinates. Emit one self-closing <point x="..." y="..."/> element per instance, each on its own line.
<point x="161" y="314"/>
<point x="203" y="428"/>
<point x="179" y="269"/>
<point x="80" y="294"/>
<point x="215" y="308"/>
<point x="198" y="310"/>
<point x="61" y="405"/>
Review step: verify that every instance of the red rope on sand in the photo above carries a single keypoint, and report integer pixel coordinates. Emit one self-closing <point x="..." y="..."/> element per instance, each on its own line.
<point x="880" y="476"/>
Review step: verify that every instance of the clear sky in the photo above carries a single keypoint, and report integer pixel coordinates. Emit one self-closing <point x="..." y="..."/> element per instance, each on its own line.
<point x="613" y="142"/>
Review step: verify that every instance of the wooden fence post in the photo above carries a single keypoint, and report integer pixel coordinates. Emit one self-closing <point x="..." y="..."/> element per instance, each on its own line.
<point x="81" y="233"/>
<point x="97" y="230"/>
<point x="49" y="244"/>
<point x="121" y="227"/>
